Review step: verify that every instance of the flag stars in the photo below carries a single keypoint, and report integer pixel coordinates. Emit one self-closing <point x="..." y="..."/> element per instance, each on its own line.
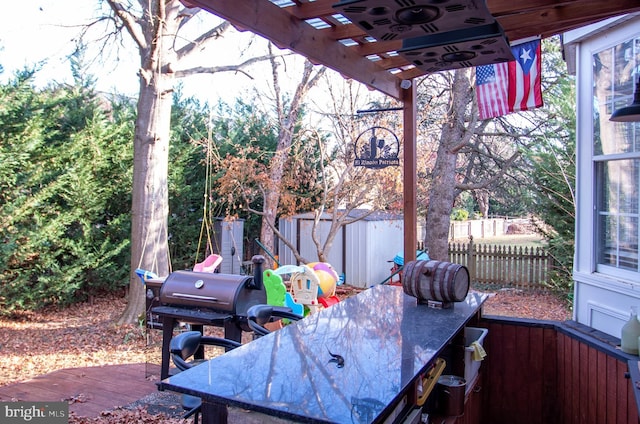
<point x="526" y="55"/>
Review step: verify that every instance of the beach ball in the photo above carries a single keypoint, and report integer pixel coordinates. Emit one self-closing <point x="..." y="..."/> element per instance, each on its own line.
<point x="327" y="276"/>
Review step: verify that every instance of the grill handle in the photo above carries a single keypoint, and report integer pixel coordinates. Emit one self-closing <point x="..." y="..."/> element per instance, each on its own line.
<point x="256" y="284"/>
<point x="195" y="296"/>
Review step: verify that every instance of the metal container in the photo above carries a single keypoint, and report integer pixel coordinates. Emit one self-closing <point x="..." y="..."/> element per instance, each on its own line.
<point x="451" y="391"/>
<point x="233" y="294"/>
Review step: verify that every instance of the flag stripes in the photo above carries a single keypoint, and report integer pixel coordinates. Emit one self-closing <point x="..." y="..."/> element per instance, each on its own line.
<point x="502" y="88"/>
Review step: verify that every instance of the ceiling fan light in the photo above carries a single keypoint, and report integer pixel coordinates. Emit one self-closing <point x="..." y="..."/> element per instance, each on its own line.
<point x="458" y="49"/>
<point x="417" y="15"/>
<point x="387" y="20"/>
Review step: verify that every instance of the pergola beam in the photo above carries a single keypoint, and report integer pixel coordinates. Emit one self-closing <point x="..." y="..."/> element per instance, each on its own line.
<point x="285" y="31"/>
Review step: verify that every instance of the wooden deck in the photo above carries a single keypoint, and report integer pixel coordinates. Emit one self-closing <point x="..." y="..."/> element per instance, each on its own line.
<point x="89" y="391"/>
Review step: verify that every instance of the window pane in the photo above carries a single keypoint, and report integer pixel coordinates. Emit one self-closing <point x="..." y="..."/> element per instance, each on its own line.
<point x="628" y="180"/>
<point x="608" y="249"/>
<point x="628" y="246"/>
<point x="616" y="71"/>
<point x="618" y="213"/>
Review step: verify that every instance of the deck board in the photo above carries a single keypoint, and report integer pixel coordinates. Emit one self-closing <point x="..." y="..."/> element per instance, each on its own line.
<point x="89" y="391"/>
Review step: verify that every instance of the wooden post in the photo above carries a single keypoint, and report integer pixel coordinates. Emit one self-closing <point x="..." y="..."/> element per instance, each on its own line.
<point x="471" y="260"/>
<point x="409" y="177"/>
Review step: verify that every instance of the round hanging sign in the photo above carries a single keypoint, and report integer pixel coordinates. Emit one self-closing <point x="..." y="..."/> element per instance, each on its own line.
<point x="377" y="147"/>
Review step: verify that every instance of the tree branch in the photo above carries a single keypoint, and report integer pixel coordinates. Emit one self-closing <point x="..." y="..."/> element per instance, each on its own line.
<point x="181" y="73"/>
<point x="133" y="24"/>
<point x="199" y="43"/>
<point x="488" y="182"/>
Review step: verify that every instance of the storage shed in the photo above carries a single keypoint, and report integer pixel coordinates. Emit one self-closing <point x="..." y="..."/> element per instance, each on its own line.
<point x="228" y="243"/>
<point x="362" y="250"/>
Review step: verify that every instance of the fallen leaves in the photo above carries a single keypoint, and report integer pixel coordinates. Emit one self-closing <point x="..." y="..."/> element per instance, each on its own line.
<point x="79" y="398"/>
<point x="123" y="416"/>
<point x="81" y="336"/>
<point x="84" y="335"/>
<point x="532" y="305"/>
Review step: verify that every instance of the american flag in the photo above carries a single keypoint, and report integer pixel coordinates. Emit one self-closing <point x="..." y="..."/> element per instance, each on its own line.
<point x="513" y="86"/>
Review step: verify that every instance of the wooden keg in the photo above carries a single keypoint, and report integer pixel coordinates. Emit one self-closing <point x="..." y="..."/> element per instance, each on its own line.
<point x="435" y="280"/>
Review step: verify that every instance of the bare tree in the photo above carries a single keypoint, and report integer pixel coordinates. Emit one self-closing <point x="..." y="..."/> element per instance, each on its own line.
<point x="471" y="155"/>
<point x="154" y="27"/>
<point x="288" y="118"/>
<point x="347" y="193"/>
<point x="454" y="136"/>
<point x="350" y="193"/>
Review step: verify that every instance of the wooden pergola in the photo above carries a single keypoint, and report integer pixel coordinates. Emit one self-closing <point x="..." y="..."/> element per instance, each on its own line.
<point x="316" y="30"/>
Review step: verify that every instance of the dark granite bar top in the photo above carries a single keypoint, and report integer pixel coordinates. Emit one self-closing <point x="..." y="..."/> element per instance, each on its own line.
<point x="384" y="336"/>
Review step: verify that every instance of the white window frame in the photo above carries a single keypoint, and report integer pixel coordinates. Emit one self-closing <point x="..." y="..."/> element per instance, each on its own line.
<point x="586" y="261"/>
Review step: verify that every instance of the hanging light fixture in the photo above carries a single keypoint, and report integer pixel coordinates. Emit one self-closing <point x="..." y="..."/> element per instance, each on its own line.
<point x="462" y="48"/>
<point x="387" y="20"/>
<point x="629" y="113"/>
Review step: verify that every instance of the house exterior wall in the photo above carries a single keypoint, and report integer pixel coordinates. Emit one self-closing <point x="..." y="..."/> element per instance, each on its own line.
<point x="603" y="295"/>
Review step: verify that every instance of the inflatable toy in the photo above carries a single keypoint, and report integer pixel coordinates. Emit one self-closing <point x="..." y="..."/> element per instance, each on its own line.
<point x="327" y="278"/>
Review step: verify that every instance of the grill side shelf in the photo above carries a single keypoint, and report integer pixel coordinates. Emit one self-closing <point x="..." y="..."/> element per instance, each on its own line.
<point x="185" y="314"/>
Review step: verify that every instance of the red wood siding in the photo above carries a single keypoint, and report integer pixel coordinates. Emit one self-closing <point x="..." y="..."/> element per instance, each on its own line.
<point x="535" y="374"/>
<point x="520" y="374"/>
<point x="594" y="387"/>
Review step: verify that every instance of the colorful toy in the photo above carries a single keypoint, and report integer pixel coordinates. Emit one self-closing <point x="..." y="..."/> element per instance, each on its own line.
<point x="398" y="264"/>
<point x="328" y="301"/>
<point x="275" y="288"/>
<point x="296" y="308"/>
<point x="209" y="264"/>
<point x="145" y="275"/>
<point x="327" y="277"/>
<point x="313" y="284"/>
<point x="304" y="285"/>
<point x="277" y="294"/>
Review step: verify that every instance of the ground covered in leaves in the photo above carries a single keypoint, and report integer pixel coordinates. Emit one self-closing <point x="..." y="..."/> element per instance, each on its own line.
<point x="85" y="336"/>
<point x="516" y="303"/>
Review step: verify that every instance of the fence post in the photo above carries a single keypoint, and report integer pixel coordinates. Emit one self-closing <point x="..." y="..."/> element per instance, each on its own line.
<point x="471" y="260"/>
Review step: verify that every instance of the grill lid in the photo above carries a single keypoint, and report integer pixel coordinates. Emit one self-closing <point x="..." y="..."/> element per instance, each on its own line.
<point x="229" y="293"/>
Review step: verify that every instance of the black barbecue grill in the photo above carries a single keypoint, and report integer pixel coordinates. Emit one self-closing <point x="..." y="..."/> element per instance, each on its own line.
<point x="200" y="298"/>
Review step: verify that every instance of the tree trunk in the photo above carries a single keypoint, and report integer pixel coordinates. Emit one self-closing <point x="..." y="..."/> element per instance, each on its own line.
<point x="150" y="199"/>
<point x="271" y="201"/>
<point x="155" y="32"/>
<point x="441" y="202"/>
<point x="443" y="190"/>
<point x="482" y="199"/>
<point x="272" y="192"/>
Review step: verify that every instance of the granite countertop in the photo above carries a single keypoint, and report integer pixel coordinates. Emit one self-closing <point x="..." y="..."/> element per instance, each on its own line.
<point x="384" y="336"/>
